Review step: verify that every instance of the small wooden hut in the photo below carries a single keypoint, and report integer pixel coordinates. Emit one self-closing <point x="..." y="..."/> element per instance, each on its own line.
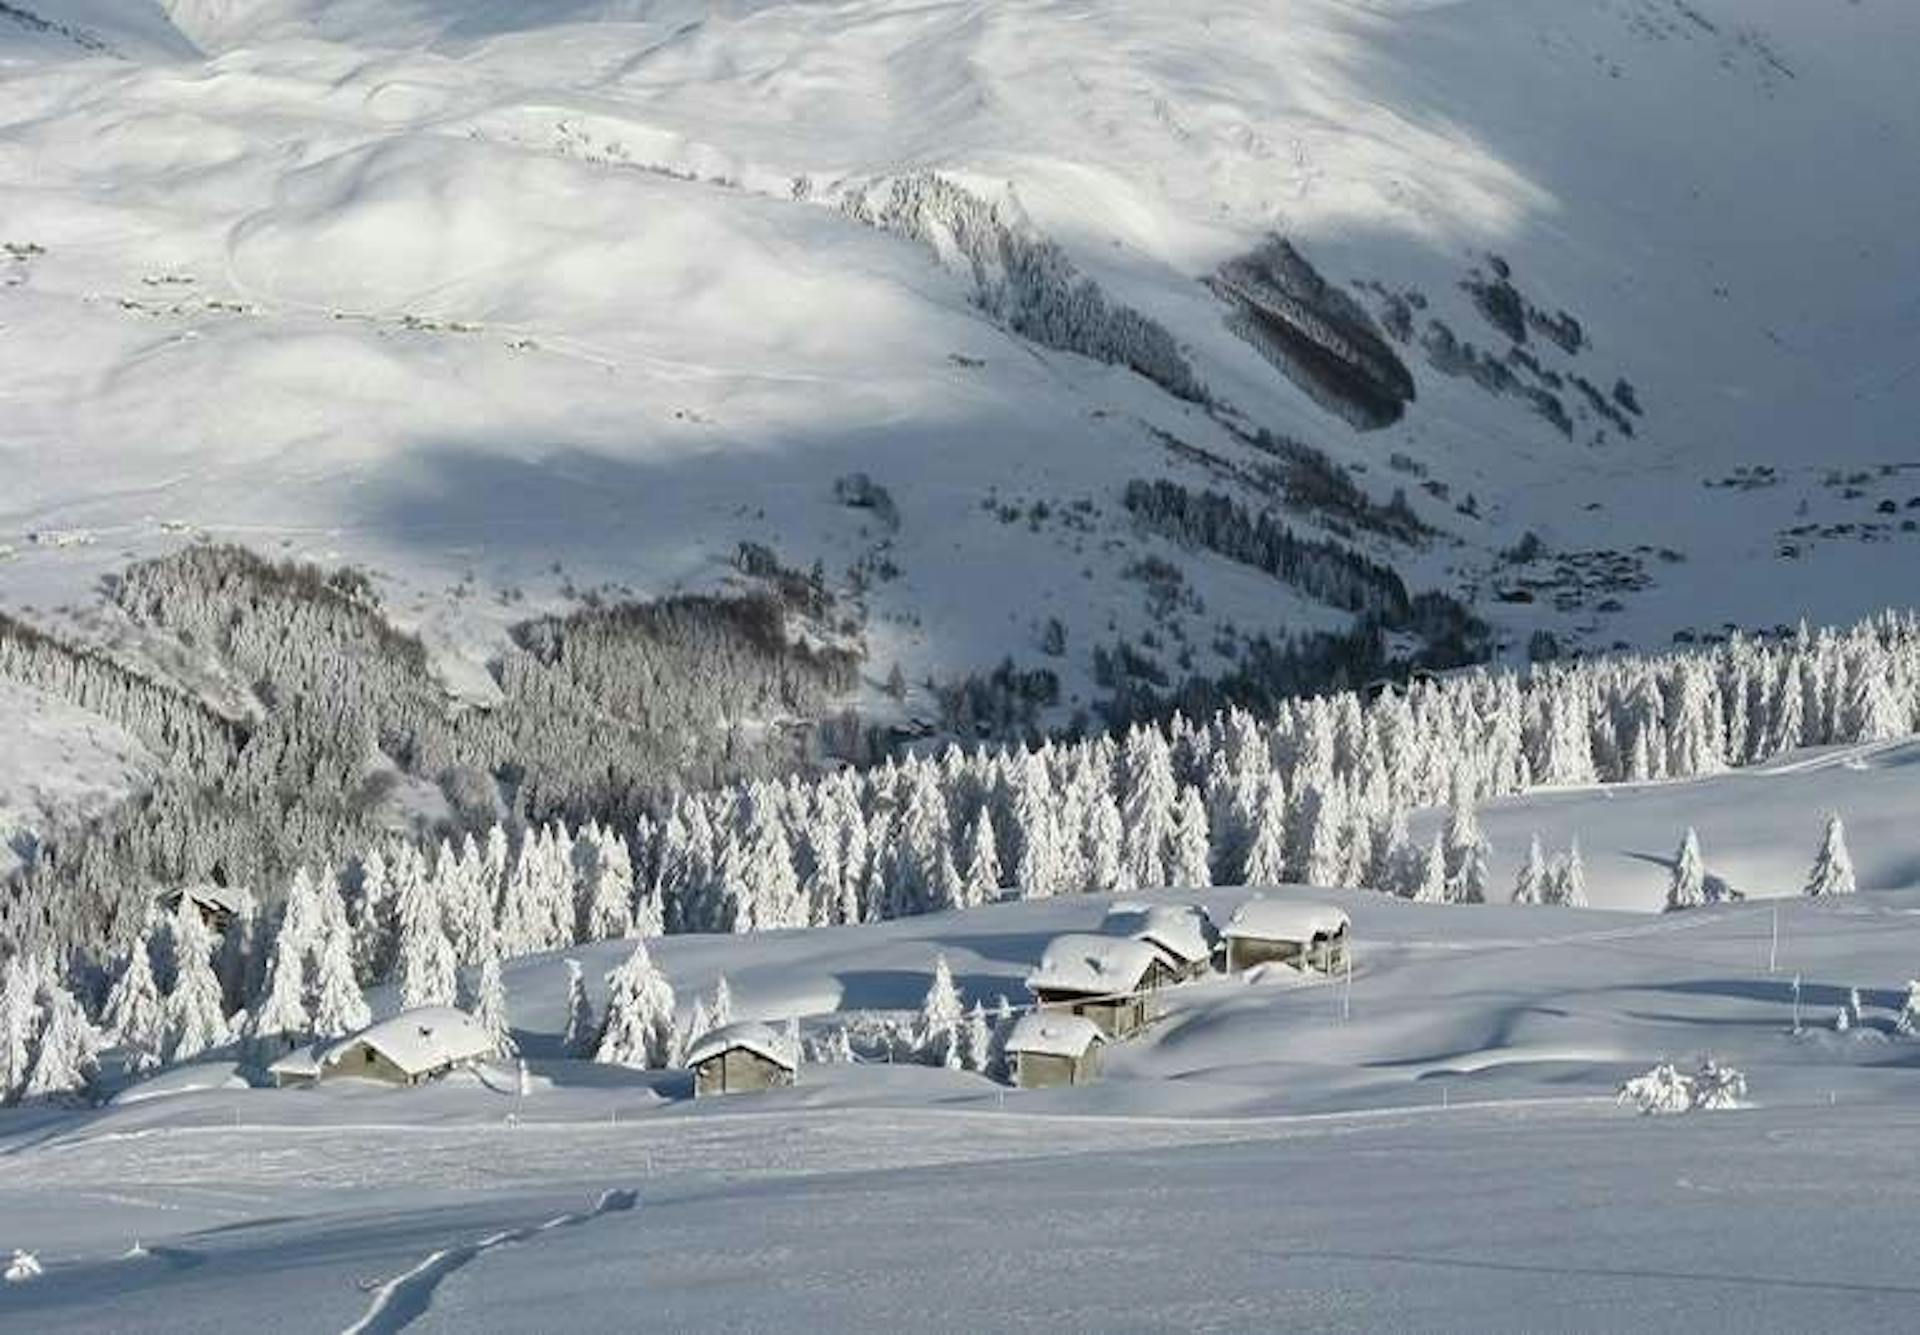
<point x="1051" y="1048"/>
<point x="739" y="1058"/>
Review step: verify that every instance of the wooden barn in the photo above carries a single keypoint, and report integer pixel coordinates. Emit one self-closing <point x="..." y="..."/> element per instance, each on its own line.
<point x="740" y="1058"/>
<point x="413" y="1046"/>
<point x="1313" y="938"/>
<point x="1104" y="978"/>
<point x="1049" y="1048"/>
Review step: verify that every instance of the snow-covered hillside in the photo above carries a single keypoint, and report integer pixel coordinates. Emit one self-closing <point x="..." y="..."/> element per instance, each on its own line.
<point x="1438" y="1149"/>
<point x="578" y="293"/>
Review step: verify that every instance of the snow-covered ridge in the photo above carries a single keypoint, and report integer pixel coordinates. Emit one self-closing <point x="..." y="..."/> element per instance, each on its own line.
<point x="535" y="353"/>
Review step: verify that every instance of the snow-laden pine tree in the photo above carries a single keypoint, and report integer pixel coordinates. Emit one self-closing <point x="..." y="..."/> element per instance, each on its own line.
<point x="699" y="1025"/>
<point x="135" y="1017"/>
<point x="196" y="1021"/>
<point x="582" y="1034"/>
<point x="1037" y="868"/>
<point x="1832" y="872"/>
<point x="1467" y="850"/>
<point x="373" y="920"/>
<point x="938" y="1034"/>
<point x="976" y="1041"/>
<point x="720" y="1009"/>
<point x="981" y="878"/>
<point x="1266" y="860"/>
<point x="1323" y="845"/>
<point x="649" y="915"/>
<point x="490" y="1004"/>
<point x="428" y="972"/>
<point x="1531" y="886"/>
<point x="1101" y="843"/>
<point x="605" y="873"/>
<point x="20" y="1021"/>
<point x="66" y="1059"/>
<point x="1570" y="878"/>
<point x="1688" y="887"/>
<point x="1192" y="860"/>
<point x="1431" y="885"/>
<point x="339" y="1006"/>
<point x="1149" y="809"/>
<point x="283" y="1018"/>
<point x="639" y="1026"/>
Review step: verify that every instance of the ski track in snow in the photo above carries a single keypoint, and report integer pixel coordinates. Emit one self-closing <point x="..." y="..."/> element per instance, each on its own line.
<point x="406" y="1297"/>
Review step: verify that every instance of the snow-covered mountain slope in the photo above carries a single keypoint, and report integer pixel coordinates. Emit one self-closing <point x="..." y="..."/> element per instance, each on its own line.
<point x="449" y="288"/>
<point x="1439" y="1152"/>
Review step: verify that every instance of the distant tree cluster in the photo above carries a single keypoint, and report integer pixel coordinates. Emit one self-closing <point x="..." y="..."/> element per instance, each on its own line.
<point x="1320" y="568"/>
<point x="599" y="714"/>
<point x="1024" y="279"/>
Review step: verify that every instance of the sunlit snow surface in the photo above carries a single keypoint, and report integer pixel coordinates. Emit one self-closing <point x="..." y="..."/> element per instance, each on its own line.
<point x="453" y="288"/>
<point x="1438" y="1149"/>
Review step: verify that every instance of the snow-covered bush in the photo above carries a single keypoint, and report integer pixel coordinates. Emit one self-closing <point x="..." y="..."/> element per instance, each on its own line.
<point x="1908" y="1021"/>
<point x="1666" y="1090"/>
<point x="1718" y="1087"/>
<point x="1661" y="1090"/>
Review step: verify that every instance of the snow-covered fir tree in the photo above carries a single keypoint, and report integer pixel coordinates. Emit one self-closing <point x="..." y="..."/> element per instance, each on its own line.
<point x="982" y="874"/>
<point x="720" y="1009"/>
<point x="639" y="1028"/>
<point x="283" y="1019"/>
<point x="604" y="869"/>
<point x="427" y="970"/>
<point x="66" y="1058"/>
<point x="1192" y="861"/>
<point x="582" y="1034"/>
<point x="20" y="1021"/>
<point x="490" y="1005"/>
<point x="1466" y="848"/>
<point x="196" y="1019"/>
<point x="976" y="1041"/>
<point x="937" y="1036"/>
<point x="1688" y="887"/>
<point x="1832" y="872"/>
<point x="1266" y="858"/>
<point x="1430" y="885"/>
<point x="1569" y="879"/>
<point x="339" y="1006"/>
<point x="1531" y="886"/>
<point x="135" y="1017"/>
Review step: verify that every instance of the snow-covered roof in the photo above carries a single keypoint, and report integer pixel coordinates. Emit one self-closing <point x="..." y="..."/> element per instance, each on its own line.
<point x="220" y="898"/>
<point x="299" y="1062"/>
<point x="1054" y="1034"/>
<point x="761" y="1040"/>
<point x="418" y="1041"/>
<point x="1093" y="966"/>
<point x="1183" y="932"/>
<point x="1284" y="920"/>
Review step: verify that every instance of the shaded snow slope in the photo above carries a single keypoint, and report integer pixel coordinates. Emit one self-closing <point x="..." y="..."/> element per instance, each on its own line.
<point x="450" y="288"/>
<point x="58" y="764"/>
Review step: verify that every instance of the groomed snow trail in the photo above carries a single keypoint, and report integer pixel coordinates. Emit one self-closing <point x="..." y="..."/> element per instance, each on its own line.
<point x="406" y="1297"/>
